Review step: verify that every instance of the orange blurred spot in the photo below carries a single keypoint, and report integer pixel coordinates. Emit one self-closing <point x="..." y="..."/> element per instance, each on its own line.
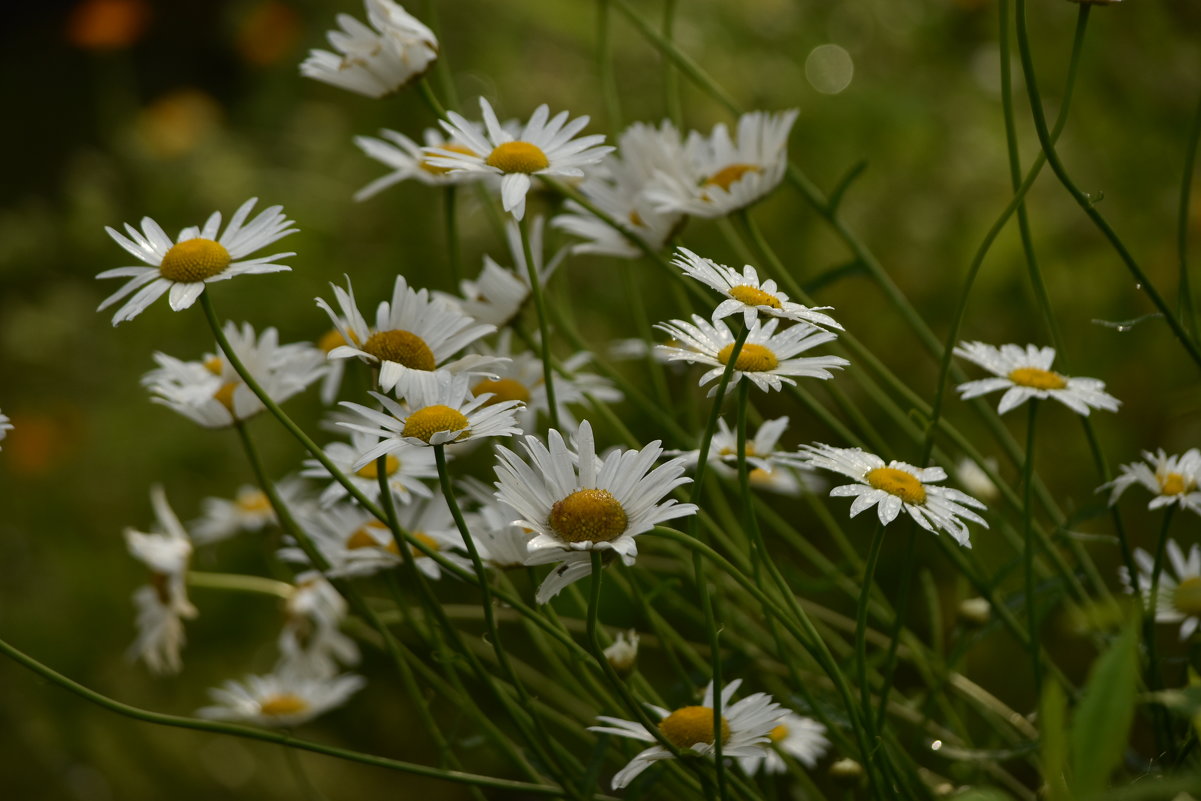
<point x="39" y="442"/>
<point x="107" y="24"/>
<point x="177" y="122"/>
<point x="268" y="33"/>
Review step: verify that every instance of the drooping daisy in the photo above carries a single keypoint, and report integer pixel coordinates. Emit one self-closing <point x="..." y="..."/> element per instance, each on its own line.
<point x="800" y="737"/>
<point x="440" y="410"/>
<point x="521" y="377"/>
<point x="311" y="642"/>
<point x="498" y="295"/>
<point x="405" y="465"/>
<point x="377" y="59"/>
<point x="408" y="160"/>
<point x="895" y="487"/>
<point x="280" y="699"/>
<point x="5" y="425"/>
<point x="770" y="469"/>
<point x="1026" y="373"/>
<point x="575" y="502"/>
<point x="544" y="146"/>
<point x="745" y="730"/>
<point x="728" y="174"/>
<point x="1170" y="479"/>
<point x="744" y="293"/>
<point x="617" y="188"/>
<point x="413" y="335"/>
<point x="196" y="258"/>
<point x="1179" y="596"/>
<point x="211" y="392"/>
<point x="767" y="359"/>
<point x="163" y="604"/>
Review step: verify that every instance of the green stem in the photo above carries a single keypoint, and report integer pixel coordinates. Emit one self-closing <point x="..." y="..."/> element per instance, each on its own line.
<point x="548" y="373"/>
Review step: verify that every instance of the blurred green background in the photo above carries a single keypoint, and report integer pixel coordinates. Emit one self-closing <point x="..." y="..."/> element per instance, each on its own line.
<point x="119" y="109"/>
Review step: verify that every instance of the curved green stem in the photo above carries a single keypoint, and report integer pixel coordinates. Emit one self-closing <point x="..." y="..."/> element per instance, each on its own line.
<point x="548" y="373"/>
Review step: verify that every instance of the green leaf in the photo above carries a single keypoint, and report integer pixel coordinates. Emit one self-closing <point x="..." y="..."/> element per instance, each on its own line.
<point x="1101" y="726"/>
<point x="1053" y="723"/>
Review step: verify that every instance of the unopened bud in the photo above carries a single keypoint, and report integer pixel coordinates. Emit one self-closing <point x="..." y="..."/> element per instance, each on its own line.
<point x="975" y="611"/>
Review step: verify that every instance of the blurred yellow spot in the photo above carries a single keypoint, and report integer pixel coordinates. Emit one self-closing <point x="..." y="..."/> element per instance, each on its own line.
<point x="896" y="482"/>
<point x="427" y="541"/>
<point x="194" y="260"/>
<point x="778" y="733"/>
<point x="636" y="219"/>
<point x="690" y="725"/>
<point x="283" y="704"/>
<point x="1174" y="484"/>
<point x="177" y="123"/>
<point x="517" y="157"/>
<point x="333" y="339"/>
<point x="402" y="347"/>
<point x="255" y="501"/>
<point x="1187" y="597"/>
<point x="433" y="170"/>
<point x="588" y="515"/>
<point x="225" y="396"/>
<point x="215" y="365"/>
<point x="371" y="469"/>
<point x="1037" y="379"/>
<point x="107" y="24"/>
<point x="503" y="389"/>
<point x="753" y="296"/>
<point x="424" y="423"/>
<point x="751" y="358"/>
<point x="727" y="176"/>
<point x="40" y="442"/>
<point x="268" y="33"/>
<point x="363" y="536"/>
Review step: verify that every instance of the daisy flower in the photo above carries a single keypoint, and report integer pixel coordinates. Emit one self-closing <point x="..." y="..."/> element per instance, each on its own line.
<point x="727" y="174"/>
<point x="501" y="542"/>
<point x="408" y="160"/>
<point x="181" y="269"/>
<point x="1025" y="373"/>
<point x="413" y="335"/>
<point x="1179" y="597"/>
<point x="440" y="410"/>
<point x="377" y="59"/>
<point x="220" y="519"/>
<point x="544" y="146"/>
<point x="767" y="359"/>
<point x="575" y="502"/>
<point x="163" y="605"/>
<point x="896" y="487"/>
<point x="616" y="187"/>
<point x="211" y="392"/>
<point x="1170" y="479"/>
<point x="498" y="295"/>
<point x="311" y="643"/>
<point x="280" y="699"/>
<point x="802" y="738"/>
<point x="744" y="293"/>
<point x="745" y="730"/>
<point x="5" y="425"/>
<point x="404" y="466"/>
<point x="770" y="469"/>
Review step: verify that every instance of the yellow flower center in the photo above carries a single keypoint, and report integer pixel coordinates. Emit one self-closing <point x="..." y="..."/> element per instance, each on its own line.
<point x="503" y="389"/>
<point x="899" y="483"/>
<point x="333" y="339"/>
<point x="254" y="502"/>
<point x="636" y="219"/>
<point x="214" y="364"/>
<point x="588" y="515"/>
<point x="194" y="260"/>
<point x="424" y="423"/>
<point x="753" y="296"/>
<point x="1187" y="597"/>
<point x="432" y="170"/>
<point x="371" y="469"/>
<point x="778" y="733"/>
<point x="1174" y="484"/>
<point x="751" y="358"/>
<point x="362" y="537"/>
<point x="225" y="395"/>
<point x="402" y="347"/>
<point x="283" y="704"/>
<point x="759" y="476"/>
<point x="517" y="157"/>
<point x="750" y="450"/>
<point x="427" y="541"/>
<point x="1037" y="379"/>
<point x="727" y="175"/>
<point x="690" y="725"/>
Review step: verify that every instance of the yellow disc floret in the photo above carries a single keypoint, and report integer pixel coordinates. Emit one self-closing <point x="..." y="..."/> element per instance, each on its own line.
<point x="255" y="501"/>
<point x="753" y="296"/>
<point x="1037" y="379"/>
<point x="1186" y="598"/>
<point x="751" y="358"/>
<point x="283" y="704"/>
<point x="194" y="260"/>
<point x="427" y="541"/>
<point x="778" y="733"/>
<point x="333" y="339"/>
<point x="434" y="170"/>
<point x="517" y="157"/>
<point x="905" y="486"/>
<point x="502" y="389"/>
<point x="690" y="725"/>
<point x="371" y="469"/>
<point x="1174" y="484"/>
<point x="402" y="347"/>
<point x="426" y="422"/>
<point x="363" y="536"/>
<point x="225" y="396"/>
<point x="728" y="175"/>
<point x="588" y="515"/>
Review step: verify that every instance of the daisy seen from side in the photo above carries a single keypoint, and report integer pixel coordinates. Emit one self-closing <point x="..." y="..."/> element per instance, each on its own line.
<point x="404" y="466"/>
<point x="799" y="737"/>
<point x="408" y="160"/>
<point x="896" y="487"/>
<point x="198" y="257"/>
<point x="767" y="359"/>
<point x="745" y="730"/>
<point x="1170" y="479"/>
<point x="1178" y="597"/>
<point x="545" y="145"/>
<point x="1025" y="373"/>
<point x="769" y="468"/>
<point x="283" y="699"/>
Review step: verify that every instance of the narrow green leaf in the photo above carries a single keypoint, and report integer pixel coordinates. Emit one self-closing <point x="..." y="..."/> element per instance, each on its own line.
<point x="1101" y="726"/>
<point x="1054" y="737"/>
